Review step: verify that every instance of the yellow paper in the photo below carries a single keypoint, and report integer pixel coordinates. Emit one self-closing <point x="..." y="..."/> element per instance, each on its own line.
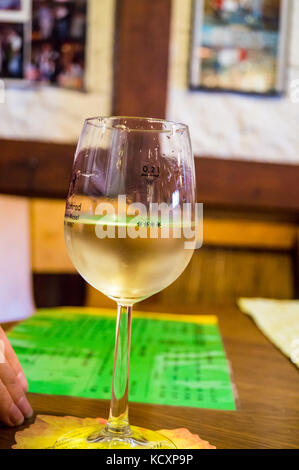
<point x="46" y="430"/>
<point x="109" y="312"/>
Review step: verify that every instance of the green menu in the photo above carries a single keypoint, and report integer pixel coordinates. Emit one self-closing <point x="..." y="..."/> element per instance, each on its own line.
<point x="174" y="361"/>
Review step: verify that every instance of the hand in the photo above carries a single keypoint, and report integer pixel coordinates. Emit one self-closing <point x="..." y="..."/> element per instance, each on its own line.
<point x="14" y="406"/>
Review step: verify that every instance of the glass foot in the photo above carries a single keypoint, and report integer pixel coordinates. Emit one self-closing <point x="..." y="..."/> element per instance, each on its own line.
<point x="97" y="437"/>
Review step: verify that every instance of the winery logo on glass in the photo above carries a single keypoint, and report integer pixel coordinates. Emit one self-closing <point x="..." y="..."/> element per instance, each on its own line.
<point x="159" y="221"/>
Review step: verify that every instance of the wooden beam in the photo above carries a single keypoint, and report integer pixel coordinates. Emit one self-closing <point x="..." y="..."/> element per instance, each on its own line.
<point x="39" y="169"/>
<point x="249" y="234"/>
<point x="233" y="183"/>
<point x="141" y="57"/>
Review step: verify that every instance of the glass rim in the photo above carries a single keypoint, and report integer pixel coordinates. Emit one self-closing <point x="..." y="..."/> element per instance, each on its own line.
<point x="107" y="123"/>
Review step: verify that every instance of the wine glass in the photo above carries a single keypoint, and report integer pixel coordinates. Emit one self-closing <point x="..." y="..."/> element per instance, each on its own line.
<point x="130" y="231"/>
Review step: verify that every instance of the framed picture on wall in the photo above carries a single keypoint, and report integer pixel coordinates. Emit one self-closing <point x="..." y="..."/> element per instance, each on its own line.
<point x="58" y="43"/>
<point x="239" y="45"/>
<point x="15" y="10"/>
<point x="44" y="41"/>
<point x="12" y="50"/>
<point x="15" y="37"/>
<point x="10" y="5"/>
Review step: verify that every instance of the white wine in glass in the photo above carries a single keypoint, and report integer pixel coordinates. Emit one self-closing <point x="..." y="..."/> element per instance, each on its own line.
<point x="130" y="231"/>
<point x="125" y="269"/>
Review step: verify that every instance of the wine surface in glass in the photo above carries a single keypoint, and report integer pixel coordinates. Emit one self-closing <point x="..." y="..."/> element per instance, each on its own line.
<point x="125" y="269"/>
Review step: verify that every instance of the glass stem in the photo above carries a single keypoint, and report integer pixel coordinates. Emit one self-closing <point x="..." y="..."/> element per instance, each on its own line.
<point x="118" y="422"/>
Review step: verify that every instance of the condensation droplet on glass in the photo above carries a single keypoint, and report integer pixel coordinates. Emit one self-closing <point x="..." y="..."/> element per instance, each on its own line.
<point x="122" y="127"/>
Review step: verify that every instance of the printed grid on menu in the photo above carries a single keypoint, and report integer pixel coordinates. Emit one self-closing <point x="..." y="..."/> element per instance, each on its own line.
<point x="173" y="361"/>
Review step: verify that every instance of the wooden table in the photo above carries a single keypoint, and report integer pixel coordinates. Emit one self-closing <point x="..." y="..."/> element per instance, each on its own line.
<point x="267" y="386"/>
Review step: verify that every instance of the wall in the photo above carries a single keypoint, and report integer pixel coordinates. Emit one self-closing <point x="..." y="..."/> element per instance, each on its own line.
<point x="225" y="125"/>
<point x="228" y="125"/>
<point x="53" y="114"/>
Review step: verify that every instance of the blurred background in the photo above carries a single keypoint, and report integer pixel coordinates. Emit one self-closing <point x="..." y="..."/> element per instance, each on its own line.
<point x="227" y="68"/>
